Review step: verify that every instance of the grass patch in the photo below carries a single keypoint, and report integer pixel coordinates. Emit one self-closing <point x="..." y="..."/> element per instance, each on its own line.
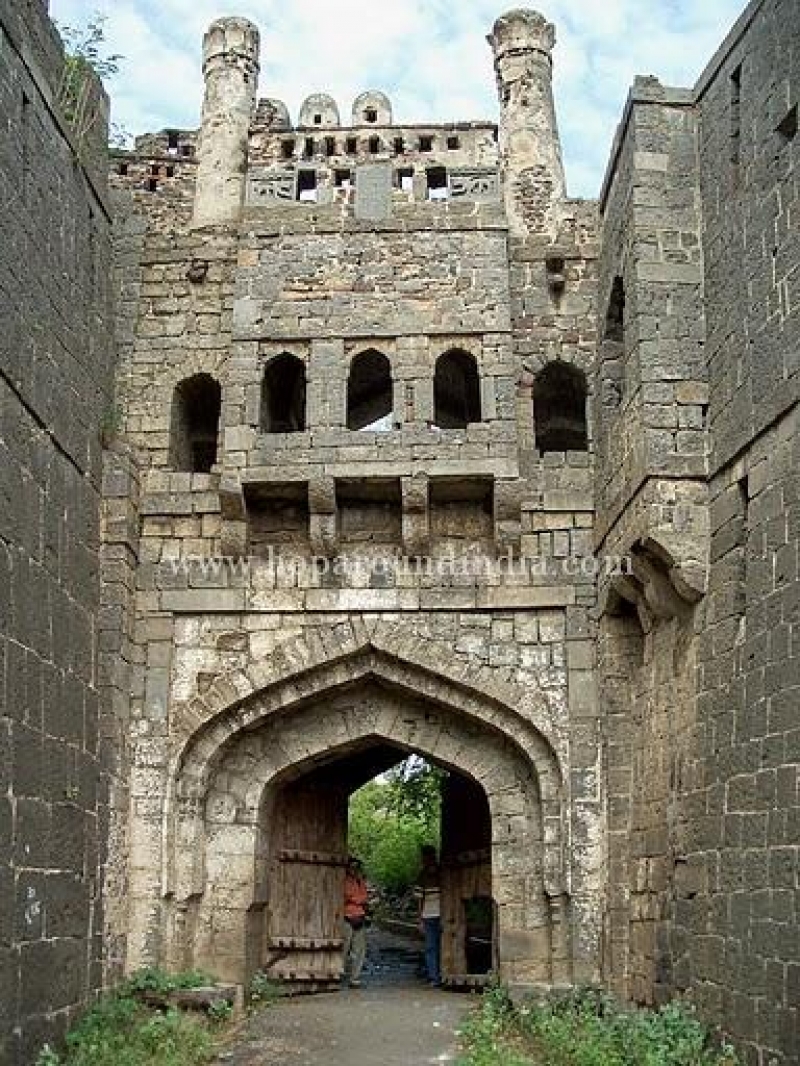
<point x="586" y="1028"/>
<point x="122" y="1030"/>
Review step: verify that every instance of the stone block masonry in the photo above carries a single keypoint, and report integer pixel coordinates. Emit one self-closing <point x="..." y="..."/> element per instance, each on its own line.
<point x="349" y="359"/>
<point x="56" y="391"/>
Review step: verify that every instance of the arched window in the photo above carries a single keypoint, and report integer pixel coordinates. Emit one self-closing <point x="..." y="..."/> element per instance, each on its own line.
<point x="559" y="409"/>
<point x="283" y="395"/>
<point x="456" y="390"/>
<point x="369" y="392"/>
<point x="195" y="424"/>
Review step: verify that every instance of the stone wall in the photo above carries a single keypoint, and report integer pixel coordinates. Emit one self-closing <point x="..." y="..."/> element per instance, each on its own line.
<point x="697" y="660"/>
<point x="56" y="365"/>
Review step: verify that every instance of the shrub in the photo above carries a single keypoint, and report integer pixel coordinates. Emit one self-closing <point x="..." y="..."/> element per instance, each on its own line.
<point x="121" y="1030"/>
<point x="586" y="1028"/>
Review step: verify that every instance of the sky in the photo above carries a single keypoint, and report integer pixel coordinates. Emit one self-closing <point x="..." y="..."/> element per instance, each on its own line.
<point x="430" y="56"/>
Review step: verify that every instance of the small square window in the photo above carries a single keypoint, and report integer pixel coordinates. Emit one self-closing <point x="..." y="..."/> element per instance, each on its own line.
<point x="426" y="143"/>
<point x="405" y="179"/>
<point x="155" y="169"/>
<point x="453" y="142"/>
<point x="371" y="115"/>
<point x="152" y="184"/>
<point x="122" y="169"/>
<point x="351" y="146"/>
<point x="374" y="145"/>
<point x="317" y="120"/>
<point x="307" y="185"/>
<point x="287" y="149"/>
<point x="437" y="183"/>
<point x="187" y="149"/>
<point x="170" y="172"/>
<point x="342" y="178"/>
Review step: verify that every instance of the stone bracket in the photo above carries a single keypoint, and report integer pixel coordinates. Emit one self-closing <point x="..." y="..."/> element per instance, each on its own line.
<point x="323" y="516"/>
<point x="416" y="514"/>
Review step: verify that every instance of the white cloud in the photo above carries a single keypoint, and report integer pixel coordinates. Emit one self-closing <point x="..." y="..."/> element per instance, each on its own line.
<point x="431" y="56"/>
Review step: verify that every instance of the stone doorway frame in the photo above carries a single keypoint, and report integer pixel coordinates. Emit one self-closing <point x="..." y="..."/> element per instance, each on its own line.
<point x="534" y="937"/>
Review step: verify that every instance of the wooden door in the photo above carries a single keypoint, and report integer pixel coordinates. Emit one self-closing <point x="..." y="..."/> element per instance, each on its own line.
<point x="468" y="910"/>
<point x="307" y="858"/>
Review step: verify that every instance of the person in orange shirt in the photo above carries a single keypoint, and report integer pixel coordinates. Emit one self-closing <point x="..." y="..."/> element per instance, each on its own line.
<point x="355" y="921"/>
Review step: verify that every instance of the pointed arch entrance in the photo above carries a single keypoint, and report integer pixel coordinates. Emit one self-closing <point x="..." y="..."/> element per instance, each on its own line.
<point x="226" y="826"/>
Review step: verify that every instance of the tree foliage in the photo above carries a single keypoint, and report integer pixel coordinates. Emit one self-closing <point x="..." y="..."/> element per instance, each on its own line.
<point x="391" y="818"/>
<point x="86" y="56"/>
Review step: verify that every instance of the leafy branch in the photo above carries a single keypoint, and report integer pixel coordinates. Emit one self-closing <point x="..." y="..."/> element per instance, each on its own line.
<point x="86" y="56"/>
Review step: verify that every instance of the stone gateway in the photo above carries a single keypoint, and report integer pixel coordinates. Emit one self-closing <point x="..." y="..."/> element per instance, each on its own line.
<point x="403" y="451"/>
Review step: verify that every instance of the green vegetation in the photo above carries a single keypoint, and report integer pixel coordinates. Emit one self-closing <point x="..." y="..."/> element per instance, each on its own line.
<point x="86" y="56"/>
<point x="391" y="818"/>
<point x="122" y="1030"/>
<point x="263" y="990"/>
<point x="586" y="1028"/>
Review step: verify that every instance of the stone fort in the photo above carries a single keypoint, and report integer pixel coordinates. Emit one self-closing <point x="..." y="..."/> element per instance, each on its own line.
<point x="331" y="438"/>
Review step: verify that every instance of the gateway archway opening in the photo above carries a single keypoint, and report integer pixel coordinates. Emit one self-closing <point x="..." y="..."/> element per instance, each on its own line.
<point x="311" y="826"/>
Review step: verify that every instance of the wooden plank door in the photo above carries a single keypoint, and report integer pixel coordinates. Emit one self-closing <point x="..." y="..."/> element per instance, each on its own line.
<point x="307" y="857"/>
<point x="468" y="911"/>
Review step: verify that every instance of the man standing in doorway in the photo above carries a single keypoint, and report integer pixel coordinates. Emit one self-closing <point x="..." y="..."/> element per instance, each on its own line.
<point x="355" y="921"/>
<point x="430" y="913"/>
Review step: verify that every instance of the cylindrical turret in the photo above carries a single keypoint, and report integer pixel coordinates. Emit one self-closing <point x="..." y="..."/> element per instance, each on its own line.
<point x="530" y="149"/>
<point x="230" y="69"/>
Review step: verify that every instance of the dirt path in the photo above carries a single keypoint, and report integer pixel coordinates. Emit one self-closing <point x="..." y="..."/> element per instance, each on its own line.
<point x="383" y="1026"/>
<point x="393" y="1020"/>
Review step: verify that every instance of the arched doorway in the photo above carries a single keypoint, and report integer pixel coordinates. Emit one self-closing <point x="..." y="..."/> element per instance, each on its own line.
<point x="222" y="823"/>
<point x="304" y="850"/>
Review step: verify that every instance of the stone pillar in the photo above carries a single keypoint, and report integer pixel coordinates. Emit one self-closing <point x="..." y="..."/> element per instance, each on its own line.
<point x="230" y="69"/>
<point x="530" y="149"/>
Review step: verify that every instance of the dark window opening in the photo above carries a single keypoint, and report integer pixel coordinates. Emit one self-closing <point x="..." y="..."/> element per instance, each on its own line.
<point x="438" y="188"/>
<point x="736" y="115"/>
<point x="555" y="268"/>
<point x="196" y="406"/>
<point x="369" y="392"/>
<point x="317" y="120"/>
<point x="456" y="390"/>
<point x="283" y="395"/>
<point x="287" y="149"/>
<point x="307" y="185"/>
<point x="405" y="178"/>
<point x="152" y="184"/>
<point x="308" y="147"/>
<point x="122" y="169"/>
<point x="371" y="115"/>
<point x="342" y="178"/>
<point x="172" y="139"/>
<point x="615" y="315"/>
<point x="330" y="146"/>
<point x="187" y="149"/>
<point x="155" y="169"/>
<point x="426" y="144"/>
<point x="374" y="145"/>
<point x="453" y="143"/>
<point x="170" y="172"/>
<point x="351" y="146"/>
<point x="559" y="409"/>
<point x="399" y="146"/>
<point x="787" y="128"/>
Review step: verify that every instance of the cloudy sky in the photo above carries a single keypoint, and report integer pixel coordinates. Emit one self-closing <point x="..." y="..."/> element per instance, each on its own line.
<point x="431" y="57"/>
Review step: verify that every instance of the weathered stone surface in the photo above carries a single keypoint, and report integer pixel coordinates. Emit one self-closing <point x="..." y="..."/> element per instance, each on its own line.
<point x="56" y="396"/>
<point x="259" y="585"/>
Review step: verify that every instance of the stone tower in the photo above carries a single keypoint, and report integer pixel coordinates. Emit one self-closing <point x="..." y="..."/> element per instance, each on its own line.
<point x="530" y="149"/>
<point x="230" y="70"/>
